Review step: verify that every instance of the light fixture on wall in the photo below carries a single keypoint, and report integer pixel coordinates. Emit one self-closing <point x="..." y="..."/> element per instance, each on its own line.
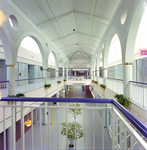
<point x="28" y="122"/>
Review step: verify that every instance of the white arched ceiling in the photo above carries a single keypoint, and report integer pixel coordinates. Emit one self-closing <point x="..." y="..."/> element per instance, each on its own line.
<point x="71" y="25"/>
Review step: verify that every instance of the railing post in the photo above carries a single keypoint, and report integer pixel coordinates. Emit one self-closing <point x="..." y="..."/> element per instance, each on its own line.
<point x="113" y="128"/>
<point x="22" y="128"/>
<point x="13" y="129"/>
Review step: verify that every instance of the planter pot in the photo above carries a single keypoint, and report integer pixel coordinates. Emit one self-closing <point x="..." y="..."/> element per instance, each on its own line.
<point x="71" y="143"/>
<point x="11" y="102"/>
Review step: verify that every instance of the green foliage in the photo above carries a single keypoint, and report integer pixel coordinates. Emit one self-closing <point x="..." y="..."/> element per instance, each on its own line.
<point x="123" y="100"/>
<point x="103" y="86"/>
<point x="71" y="130"/>
<point x="93" y="81"/>
<point x="11" y="95"/>
<point x="72" y="111"/>
<point x="17" y="95"/>
<point x="46" y="86"/>
<point x="58" y="82"/>
<point x="64" y="80"/>
<point x="20" y="95"/>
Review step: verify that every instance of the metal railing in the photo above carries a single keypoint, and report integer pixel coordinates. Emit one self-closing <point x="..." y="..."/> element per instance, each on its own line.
<point x="116" y="85"/>
<point x="4" y="88"/>
<point x="27" y="85"/>
<point x="138" y="93"/>
<point x="106" y="125"/>
<point x="100" y="80"/>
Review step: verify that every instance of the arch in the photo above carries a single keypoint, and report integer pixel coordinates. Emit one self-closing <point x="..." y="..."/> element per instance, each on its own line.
<point x="56" y="58"/>
<point x="39" y="43"/>
<point x="62" y="62"/>
<point x="10" y="56"/>
<point x="134" y="26"/>
<point x="105" y="53"/>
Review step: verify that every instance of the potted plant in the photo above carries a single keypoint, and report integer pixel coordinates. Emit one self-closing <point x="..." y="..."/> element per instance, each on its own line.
<point x="95" y="82"/>
<point x="71" y="132"/>
<point x="123" y="100"/>
<point x="46" y="86"/>
<point x="64" y="80"/>
<point x="11" y="102"/>
<point x="58" y="82"/>
<point x="20" y="95"/>
<point x="103" y="86"/>
<point x="72" y="111"/>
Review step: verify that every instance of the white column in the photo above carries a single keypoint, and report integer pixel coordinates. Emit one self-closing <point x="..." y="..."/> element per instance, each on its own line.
<point x="57" y="96"/>
<point x="66" y="73"/>
<point x="57" y="73"/>
<point x="127" y="78"/>
<point x="104" y="75"/>
<point x="45" y="103"/>
<point x="11" y="79"/>
<point x="45" y="75"/>
<point x="97" y="75"/>
<point x="63" y="72"/>
<point x="11" y="91"/>
<point x="74" y="73"/>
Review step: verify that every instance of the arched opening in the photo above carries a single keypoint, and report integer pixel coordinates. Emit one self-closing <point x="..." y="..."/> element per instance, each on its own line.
<point x="115" y="69"/>
<point x="101" y="66"/>
<point x="29" y="60"/>
<point x="61" y="67"/>
<point x="3" y="67"/>
<point x="140" y="52"/>
<point x="53" y="65"/>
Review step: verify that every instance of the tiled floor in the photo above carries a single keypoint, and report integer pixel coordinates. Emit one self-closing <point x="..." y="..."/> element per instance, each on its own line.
<point x="92" y="126"/>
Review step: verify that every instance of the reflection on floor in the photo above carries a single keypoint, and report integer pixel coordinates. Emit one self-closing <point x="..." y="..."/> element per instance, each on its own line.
<point x="51" y="134"/>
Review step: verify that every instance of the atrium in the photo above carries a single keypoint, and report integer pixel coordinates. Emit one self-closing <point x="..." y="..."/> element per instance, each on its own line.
<point x="58" y="52"/>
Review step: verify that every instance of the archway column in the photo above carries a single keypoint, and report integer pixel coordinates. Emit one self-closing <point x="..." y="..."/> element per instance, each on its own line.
<point x="104" y="75"/>
<point x="11" y="135"/>
<point x="11" y="79"/>
<point x="67" y="73"/>
<point x="45" y="103"/>
<point x="45" y="75"/>
<point x="63" y="72"/>
<point x="97" y="75"/>
<point x="127" y="77"/>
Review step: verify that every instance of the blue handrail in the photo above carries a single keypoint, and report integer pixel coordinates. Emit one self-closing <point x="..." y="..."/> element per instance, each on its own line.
<point x="141" y="127"/>
<point x="4" y="81"/>
<point x="138" y="82"/>
<point x="30" y="79"/>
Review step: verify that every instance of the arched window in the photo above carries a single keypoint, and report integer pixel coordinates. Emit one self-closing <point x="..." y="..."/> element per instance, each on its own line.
<point x="114" y="51"/>
<point x="115" y="69"/>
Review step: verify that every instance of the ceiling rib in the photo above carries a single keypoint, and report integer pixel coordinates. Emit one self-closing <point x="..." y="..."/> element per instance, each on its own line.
<point x="69" y="35"/>
<point x="59" y="18"/>
<point x="85" y="56"/>
<point x="74" y="55"/>
<point x="91" y="53"/>
<point x="51" y="21"/>
<point x="68" y="46"/>
<point x="70" y="52"/>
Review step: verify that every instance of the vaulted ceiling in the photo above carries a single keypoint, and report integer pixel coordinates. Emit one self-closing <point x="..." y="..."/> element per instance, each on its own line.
<point x="74" y="26"/>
